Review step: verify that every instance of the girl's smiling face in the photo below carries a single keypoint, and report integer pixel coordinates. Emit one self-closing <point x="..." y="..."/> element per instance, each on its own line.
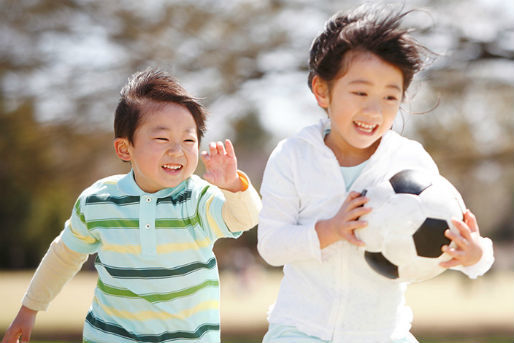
<point x="361" y="104"/>
<point x="165" y="149"/>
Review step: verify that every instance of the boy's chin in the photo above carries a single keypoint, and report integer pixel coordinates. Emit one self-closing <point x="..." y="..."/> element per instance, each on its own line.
<point x="177" y="182"/>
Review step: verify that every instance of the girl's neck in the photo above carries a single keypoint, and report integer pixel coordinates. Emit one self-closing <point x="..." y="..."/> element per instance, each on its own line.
<point x="347" y="155"/>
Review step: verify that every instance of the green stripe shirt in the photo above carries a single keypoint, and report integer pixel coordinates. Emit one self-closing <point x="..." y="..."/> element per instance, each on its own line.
<point x="157" y="275"/>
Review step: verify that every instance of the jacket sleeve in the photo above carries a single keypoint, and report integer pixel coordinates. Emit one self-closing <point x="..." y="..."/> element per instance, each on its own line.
<point x="281" y="238"/>
<point x="484" y="264"/>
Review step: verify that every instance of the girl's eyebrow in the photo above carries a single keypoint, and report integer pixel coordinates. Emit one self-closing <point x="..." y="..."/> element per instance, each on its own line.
<point x="366" y="82"/>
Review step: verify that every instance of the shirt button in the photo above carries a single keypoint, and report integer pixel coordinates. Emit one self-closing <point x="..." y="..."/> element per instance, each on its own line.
<point x="147" y="226"/>
<point x="148" y="199"/>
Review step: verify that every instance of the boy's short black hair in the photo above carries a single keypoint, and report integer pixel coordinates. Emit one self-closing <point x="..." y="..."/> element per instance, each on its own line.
<point x="368" y="28"/>
<point x="152" y="86"/>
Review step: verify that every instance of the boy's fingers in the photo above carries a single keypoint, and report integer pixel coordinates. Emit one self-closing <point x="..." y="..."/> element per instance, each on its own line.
<point x="220" y="148"/>
<point x="204" y="155"/>
<point x="212" y="148"/>
<point x="229" y="148"/>
<point x="13" y="337"/>
<point x="25" y="338"/>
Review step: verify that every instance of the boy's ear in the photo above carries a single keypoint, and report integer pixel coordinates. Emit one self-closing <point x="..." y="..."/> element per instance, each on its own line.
<point x="121" y="146"/>
<point x="320" y="91"/>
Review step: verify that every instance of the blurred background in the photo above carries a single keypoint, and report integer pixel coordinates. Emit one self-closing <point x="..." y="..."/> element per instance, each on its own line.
<point x="63" y="63"/>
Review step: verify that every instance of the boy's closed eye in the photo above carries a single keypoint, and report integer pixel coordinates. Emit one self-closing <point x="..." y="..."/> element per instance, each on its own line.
<point x="359" y="93"/>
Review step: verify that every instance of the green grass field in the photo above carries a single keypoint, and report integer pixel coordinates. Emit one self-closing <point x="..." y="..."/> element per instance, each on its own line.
<point x="449" y="308"/>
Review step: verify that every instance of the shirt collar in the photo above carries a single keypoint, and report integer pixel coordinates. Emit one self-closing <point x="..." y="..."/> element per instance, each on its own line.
<point x="128" y="185"/>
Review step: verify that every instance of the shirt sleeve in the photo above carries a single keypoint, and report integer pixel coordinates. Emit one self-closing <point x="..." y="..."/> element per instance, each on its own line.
<point x="57" y="267"/>
<point x="240" y="211"/>
<point x="210" y="207"/>
<point x="281" y="238"/>
<point x="76" y="234"/>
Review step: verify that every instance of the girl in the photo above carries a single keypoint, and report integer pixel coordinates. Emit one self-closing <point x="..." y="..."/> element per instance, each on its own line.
<point x="360" y="67"/>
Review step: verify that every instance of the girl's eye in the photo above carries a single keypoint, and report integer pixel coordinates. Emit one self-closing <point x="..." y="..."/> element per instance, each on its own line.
<point x="393" y="98"/>
<point x="189" y="140"/>
<point x="162" y="139"/>
<point x="359" y="93"/>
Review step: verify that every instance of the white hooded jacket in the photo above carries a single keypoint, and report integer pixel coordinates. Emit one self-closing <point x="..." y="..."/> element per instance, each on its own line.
<point x="332" y="293"/>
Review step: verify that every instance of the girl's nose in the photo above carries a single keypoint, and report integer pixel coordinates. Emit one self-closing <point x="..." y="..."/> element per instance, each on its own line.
<point x="373" y="107"/>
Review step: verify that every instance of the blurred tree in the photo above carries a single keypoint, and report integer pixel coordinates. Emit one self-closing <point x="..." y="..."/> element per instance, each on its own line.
<point x="63" y="62"/>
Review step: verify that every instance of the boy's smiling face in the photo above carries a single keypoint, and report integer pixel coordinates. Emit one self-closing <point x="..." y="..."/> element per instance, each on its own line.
<point x="165" y="147"/>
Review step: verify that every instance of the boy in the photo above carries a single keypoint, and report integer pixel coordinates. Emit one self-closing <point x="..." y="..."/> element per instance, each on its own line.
<point x="153" y="228"/>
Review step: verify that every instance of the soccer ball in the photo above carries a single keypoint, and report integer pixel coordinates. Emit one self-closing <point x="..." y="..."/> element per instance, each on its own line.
<point x="405" y="232"/>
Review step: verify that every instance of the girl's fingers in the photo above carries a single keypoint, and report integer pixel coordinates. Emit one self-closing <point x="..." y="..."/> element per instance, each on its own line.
<point x="348" y="232"/>
<point x="354" y="199"/>
<point x="353" y="195"/>
<point x="358" y="212"/>
<point x="463" y="228"/>
<point x="451" y="263"/>
<point x="471" y="221"/>
<point x="457" y="239"/>
<point x="350" y="237"/>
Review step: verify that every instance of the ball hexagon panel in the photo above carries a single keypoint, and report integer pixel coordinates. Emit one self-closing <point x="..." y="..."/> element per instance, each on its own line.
<point x="410" y="181"/>
<point x="381" y="265"/>
<point x="429" y="238"/>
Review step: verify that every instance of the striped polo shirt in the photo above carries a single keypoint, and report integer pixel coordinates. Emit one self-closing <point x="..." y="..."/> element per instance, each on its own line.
<point x="157" y="274"/>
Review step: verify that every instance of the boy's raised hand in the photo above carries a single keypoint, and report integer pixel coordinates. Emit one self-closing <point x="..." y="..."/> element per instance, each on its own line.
<point x="467" y="250"/>
<point x="221" y="166"/>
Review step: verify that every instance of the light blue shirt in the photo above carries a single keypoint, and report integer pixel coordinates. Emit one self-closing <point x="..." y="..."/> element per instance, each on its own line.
<point x="157" y="274"/>
<point x="350" y="174"/>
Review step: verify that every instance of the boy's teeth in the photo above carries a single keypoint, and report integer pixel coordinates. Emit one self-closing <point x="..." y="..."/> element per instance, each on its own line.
<point x="171" y="167"/>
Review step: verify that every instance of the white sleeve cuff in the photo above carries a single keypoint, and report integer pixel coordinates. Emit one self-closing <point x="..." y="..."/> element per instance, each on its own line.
<point x="485" y="263"/>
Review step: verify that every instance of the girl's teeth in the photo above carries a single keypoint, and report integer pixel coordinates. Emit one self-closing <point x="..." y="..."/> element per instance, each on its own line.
<point x="366" y="127"/>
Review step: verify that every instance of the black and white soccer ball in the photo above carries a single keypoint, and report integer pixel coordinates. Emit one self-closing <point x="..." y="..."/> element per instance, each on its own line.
<point x="405" y="232"/>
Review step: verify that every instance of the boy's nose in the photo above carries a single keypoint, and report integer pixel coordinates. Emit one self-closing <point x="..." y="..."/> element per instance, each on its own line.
<point x="174" y="149"/>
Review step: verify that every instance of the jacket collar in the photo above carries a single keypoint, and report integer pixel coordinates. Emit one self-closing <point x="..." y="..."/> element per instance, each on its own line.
<point x="314" y="135"/>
